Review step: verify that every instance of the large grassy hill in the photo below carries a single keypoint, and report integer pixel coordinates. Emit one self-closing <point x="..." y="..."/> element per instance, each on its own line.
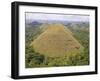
<point x="56" y="41"/>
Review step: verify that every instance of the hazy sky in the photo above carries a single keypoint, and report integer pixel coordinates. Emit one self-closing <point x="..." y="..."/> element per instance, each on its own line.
<point x="42" y="16"/>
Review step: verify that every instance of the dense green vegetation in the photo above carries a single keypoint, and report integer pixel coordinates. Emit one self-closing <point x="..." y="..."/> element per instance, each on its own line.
<point x="34" y="59"/>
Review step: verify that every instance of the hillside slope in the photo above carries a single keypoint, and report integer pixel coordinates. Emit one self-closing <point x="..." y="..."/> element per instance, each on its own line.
<point x="56" y="41"/>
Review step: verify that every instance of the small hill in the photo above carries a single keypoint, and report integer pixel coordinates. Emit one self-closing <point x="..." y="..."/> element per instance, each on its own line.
<point x="56" y="41"/>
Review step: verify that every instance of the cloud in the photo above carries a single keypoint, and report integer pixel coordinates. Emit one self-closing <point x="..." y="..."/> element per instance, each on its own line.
<point x="61" y="17"/>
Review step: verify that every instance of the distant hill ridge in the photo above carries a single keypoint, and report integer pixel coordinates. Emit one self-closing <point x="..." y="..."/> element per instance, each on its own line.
<point x="56" y="41"/>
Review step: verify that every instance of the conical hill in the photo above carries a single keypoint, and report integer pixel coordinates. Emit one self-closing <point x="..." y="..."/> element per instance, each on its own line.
<point x="56" y="41"/>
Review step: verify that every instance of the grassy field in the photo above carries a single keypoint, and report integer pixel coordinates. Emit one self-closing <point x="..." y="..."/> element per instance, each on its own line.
<point x="51" y="45"/>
